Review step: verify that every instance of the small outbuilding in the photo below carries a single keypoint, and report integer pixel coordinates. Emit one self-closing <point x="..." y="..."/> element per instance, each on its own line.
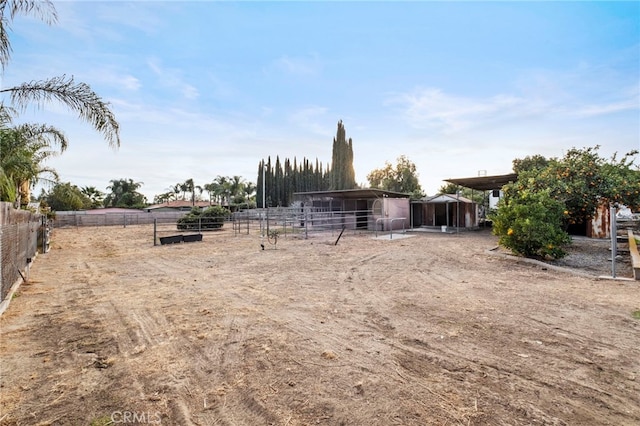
<point x="363" y="208"/>
<point x="445" y="211"/>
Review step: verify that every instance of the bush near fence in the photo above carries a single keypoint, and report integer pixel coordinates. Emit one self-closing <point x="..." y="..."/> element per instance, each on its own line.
<point x="19" y="232"/>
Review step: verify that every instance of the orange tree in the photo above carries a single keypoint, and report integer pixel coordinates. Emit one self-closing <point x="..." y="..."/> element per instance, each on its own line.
<point x="580" y="182"/>
<point x="529" y="222"/>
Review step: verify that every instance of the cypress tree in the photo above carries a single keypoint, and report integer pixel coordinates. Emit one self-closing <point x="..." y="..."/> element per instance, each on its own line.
<point x="342" y="174"/>
<point x="259" y="193"/>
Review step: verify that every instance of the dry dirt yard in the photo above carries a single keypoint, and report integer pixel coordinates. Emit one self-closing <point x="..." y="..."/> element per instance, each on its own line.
<point x="426" y="330"/>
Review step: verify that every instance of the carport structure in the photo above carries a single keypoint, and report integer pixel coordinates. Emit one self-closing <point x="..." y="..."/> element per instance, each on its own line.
<point x="492" y="184"/>
<point x="484" y="183"/>
<point x="452" y="210"/>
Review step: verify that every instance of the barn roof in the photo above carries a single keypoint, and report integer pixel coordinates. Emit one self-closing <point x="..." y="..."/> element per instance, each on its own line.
<point x="352" y="194"/>
<point x="446" y="198"/>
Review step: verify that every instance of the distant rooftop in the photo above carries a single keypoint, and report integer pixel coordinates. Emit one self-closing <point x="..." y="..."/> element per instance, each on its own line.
<point x="179" y="204"/>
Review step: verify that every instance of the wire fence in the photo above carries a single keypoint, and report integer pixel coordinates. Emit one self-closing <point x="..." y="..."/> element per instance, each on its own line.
<point x="283" y="222"/>
<point x="20" y="234"/>
<point x="273" y="222"/>
<point x="82" y="218"/>
<point x="303" y="222"/>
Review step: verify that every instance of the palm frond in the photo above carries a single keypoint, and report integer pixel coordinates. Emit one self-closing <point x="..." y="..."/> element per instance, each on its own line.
<point x="8" y="189"/>
<point x="6" y="115"/>
<point x="44" y="133"/>
<point x="77" y="96"/>
<point x="9" y="9"/>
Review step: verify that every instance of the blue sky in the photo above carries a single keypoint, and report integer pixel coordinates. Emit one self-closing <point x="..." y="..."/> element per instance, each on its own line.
<point x="207" y="88"/>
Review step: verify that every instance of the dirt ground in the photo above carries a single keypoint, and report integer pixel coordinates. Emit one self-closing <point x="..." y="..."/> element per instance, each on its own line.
<point x="431" y="329"/>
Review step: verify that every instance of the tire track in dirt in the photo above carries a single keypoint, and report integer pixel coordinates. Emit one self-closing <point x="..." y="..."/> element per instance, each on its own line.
<point x="429" y="332"/>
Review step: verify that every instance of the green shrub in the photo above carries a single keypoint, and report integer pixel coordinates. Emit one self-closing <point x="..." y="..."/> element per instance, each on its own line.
<point x="530" y="223"/>
<point x="211" y="218"/>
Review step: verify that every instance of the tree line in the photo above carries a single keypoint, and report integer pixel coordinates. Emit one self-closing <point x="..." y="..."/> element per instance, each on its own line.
<point x="232" y="192"/>
<point x="284" y="178"/>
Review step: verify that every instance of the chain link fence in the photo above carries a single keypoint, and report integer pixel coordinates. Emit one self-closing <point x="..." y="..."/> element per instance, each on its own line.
<point x="20" y="234"/>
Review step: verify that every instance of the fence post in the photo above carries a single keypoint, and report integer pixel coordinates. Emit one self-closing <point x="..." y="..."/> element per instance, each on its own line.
<point x="44" y="234"/>
<point x="614" y="238"/>
<point x="155" y="230"/>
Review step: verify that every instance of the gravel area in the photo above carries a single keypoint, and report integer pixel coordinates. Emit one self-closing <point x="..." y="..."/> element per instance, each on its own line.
<point x="593" y="256"/>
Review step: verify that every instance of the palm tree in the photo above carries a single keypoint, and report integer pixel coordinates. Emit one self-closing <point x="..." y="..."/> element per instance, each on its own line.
<point x="249" y="191"/>
<point x="184" y="187"/>
<point x="190" y="187"/>
<point x="77" y="96"/>
<point x="210" y="188"/>
<point x="124" y="193"/>
<point x="24" y="150"/>
<point x="200" y="191"/>
<point x="236" y="186"/>
<point x="95" y="195"/>
<point x="176" y="191"/>
<point x="164" y="197"/>
<point x="222" y="188"/>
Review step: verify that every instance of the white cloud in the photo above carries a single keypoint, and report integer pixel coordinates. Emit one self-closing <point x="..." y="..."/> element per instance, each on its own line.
<point x="544" y="99"/>
<point x="447" y="113"/>
<point x="137" y="15"/>
<point x="310" y="118"/>
<point x="625" y="100"/>
<point x="114" y="78"/>
<point x="300" y="65"/>
<point x="172" y="78"/>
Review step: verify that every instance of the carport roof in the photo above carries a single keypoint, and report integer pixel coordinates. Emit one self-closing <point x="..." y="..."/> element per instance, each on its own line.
<point x="485" y="183"/>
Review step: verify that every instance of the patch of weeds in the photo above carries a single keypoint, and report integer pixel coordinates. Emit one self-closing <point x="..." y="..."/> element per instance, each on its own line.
<point x="15" y="295"/>
<point x="636" y="314"/>
<point x="101" y="421"/>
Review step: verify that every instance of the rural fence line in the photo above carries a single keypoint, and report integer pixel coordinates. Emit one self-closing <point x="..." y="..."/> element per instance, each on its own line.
<point x="302" y="221"/>
<point x="20" y="232"/>
<point x="63" y="219"/>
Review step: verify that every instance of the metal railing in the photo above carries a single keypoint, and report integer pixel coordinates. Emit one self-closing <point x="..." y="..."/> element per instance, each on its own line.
<point x="301" y="221"/>
<point x="391" y="220"/>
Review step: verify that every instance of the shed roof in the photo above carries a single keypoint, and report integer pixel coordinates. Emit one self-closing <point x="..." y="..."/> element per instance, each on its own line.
<point x="485" y="183"/>
<point x="353" y="194"/>
<point x="446" y="198"/>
